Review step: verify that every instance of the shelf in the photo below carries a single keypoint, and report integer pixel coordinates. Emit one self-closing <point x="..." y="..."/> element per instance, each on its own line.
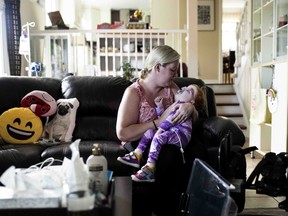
<point x="270" y="31"/>
<point x="268" y="34"/>
<point x="267" y="3"/>
<point x="282" y="27"/>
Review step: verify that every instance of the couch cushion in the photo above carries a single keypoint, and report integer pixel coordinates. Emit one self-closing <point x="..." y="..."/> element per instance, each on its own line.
<point x="21" y="156"/>
<point x="97" y="95"/>
<point x="95" y="128"/>
<point x="20" y="86"/>
<point x="99" y="99"/>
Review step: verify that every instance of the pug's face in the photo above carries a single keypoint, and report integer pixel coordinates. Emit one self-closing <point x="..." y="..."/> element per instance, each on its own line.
<point x="64" y="108"/>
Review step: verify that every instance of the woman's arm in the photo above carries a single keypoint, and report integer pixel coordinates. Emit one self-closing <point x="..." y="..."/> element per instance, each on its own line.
<point x="127" y="126"/>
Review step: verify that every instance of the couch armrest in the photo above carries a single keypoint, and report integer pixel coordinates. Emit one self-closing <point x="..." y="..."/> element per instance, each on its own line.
<point x="213" y="129"/>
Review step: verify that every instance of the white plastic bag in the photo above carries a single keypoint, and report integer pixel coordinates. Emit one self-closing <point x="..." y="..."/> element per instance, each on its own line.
<point x="259" y="112"/>
<point x="24" y="48"/>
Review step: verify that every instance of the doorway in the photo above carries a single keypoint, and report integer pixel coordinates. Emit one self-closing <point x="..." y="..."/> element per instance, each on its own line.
<point x="229" y="46"/>
<point x="115" y="15"/>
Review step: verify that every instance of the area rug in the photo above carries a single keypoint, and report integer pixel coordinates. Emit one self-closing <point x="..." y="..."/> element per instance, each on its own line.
<point x="263" y="212"/>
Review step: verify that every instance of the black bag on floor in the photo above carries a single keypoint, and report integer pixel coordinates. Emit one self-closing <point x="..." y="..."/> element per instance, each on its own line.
<point x="270" y="175"/>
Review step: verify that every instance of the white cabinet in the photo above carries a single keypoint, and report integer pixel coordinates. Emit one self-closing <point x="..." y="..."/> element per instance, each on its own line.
<point x="260" y="134"/>
<point x="269" y="24"/>
<point x="281" y="27"/>
<point x="280" y="116"/>
<point x="262" y="16"/>
<point x="270" y="58"/>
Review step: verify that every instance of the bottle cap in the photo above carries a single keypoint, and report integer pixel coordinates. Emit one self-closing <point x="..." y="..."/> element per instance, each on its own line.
<point x="96" y="149"/>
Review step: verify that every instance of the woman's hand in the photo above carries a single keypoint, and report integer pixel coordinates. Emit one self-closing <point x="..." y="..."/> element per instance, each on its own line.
<point x="182" y="112"/>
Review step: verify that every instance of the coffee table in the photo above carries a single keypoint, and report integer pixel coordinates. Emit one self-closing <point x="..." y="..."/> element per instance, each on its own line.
<point x="123" y="196"/>
<point x="122" y="202"/>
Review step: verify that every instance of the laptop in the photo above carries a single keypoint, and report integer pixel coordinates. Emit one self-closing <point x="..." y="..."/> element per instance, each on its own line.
<point x="56" y="20"/>
<point x="207" y="194"/>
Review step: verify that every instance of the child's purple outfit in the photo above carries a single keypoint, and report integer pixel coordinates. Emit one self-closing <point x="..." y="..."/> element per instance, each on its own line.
<point x="178" y="135"/>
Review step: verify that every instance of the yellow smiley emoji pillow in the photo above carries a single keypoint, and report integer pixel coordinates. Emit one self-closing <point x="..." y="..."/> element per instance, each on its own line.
<point x="20" y="126"/>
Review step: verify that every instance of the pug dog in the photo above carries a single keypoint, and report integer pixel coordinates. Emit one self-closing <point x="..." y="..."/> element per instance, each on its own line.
<point x="61" y="127"/>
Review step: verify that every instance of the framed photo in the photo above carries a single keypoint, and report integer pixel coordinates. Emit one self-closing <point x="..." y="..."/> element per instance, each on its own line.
<point x="205" y="15"/>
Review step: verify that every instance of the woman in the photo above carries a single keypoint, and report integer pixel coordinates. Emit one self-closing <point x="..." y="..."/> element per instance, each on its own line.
<point x="167" y="133"/>
<point x="137" y="111"/>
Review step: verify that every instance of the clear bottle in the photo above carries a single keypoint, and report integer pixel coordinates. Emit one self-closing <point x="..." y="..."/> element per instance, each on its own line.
<point x="97" y="167"/>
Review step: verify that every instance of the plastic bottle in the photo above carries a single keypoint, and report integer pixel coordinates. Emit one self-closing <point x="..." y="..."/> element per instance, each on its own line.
<point x="97" y="167"/>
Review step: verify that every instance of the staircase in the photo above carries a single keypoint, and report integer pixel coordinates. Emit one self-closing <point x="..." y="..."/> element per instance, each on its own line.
<point x="227" y="104"/>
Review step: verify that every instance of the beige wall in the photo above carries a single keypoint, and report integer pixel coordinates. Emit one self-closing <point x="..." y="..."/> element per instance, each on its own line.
<point x="182" y="22"/>
<point x="164" y="14"/>
<point x="209" y="42"/>
<point x="32" y="12"/>
<point x="209" y="48"/>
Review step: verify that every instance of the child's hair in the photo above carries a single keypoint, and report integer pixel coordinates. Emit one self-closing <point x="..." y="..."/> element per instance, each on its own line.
<point x="200" y="100"/>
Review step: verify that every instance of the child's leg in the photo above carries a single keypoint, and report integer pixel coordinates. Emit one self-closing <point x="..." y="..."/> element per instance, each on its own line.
<point x="145" y="141"/>
<point x="133" y="158"/>
<point x="146" y="173"/>
<point x="156" y="145"/>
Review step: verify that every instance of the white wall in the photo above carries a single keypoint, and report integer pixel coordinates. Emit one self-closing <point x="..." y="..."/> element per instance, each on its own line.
<point x="105" y="15"/>
<point x="91" y="17"/>
<point x="228" y="36"/>
<point x="124" y="14"/>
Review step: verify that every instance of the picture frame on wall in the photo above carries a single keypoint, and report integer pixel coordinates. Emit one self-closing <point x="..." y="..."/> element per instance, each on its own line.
<point x="205" y="12"/>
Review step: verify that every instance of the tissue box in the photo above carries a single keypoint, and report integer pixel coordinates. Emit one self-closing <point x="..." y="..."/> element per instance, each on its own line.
<point x="7" y="201"/>
<point x="48" y="206"/>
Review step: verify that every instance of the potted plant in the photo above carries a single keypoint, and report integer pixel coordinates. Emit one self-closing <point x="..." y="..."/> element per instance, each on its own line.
<point x="127" y="70"/>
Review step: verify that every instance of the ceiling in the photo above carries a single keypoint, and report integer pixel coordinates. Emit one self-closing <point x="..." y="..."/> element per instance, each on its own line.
<point x="232" y="9"/>
<point x="233" y="5"/>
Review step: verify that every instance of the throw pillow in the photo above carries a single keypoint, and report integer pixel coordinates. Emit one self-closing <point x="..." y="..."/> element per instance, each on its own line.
<point x="40" y="102"/>
<point x="20" y="126"/>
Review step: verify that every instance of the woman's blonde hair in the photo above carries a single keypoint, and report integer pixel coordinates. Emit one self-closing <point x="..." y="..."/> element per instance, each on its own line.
<point x="162" y="55"/>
